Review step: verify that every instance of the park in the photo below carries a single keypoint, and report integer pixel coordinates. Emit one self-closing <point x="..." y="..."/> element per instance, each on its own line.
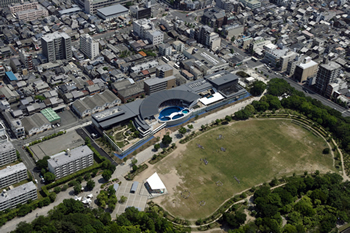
<point x="201" y="174"/>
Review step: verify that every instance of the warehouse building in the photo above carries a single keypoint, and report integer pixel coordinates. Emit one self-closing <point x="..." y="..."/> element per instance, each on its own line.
<point x="13" y="174"/>
<point x="51" y="115"/>
<point x="111" y="12"/>
<point x="19" y="195"/>
<point x="66" y="163"/>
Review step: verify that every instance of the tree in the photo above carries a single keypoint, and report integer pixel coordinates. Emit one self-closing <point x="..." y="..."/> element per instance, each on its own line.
<point x="156" y="147"/>
<point x="228" y="118"/>
<point x="87" y="176"/>
<point x="233" y="39"/>
<point x="167" y="140"/>
<point x="49" y="177"/>
<point x="57" y="189"/>
<point x="257" y="88"/>
<point x="111" y="190"/>
<point x="24" y="210"/>
<point x="42" y="163"/>
<point x="77" y="188"/>
<point x="134" y="161"/>
<point x="107" y="174"/>
<point x="64" y="188"/>
<point x="134" y="168"/>
<point x="123" y="199"/>
<point x="182" y="131"/>
<point x="190" y="126"/>
<point x="90" y="184"/>
<point x="52" y="196"/>
<point x="326" y="151"/>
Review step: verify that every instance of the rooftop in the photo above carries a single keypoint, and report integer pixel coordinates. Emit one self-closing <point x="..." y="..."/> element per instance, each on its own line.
<point x="12" y="169"/>
<point x="112" y="10"/>
<point x="50" y="114"/>
<point x="25" y="188"/>
<point x="66" y="157"/>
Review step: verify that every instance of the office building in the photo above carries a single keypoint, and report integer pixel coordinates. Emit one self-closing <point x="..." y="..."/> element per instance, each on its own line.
<point x="178" y="46"/>
<point x="153" y="85"/>
<point x="279" y="58"/>
<point x="327" y="73"/>
<point x="19" y="195"/>
<point x="308" y="68"/>
<point x="7" y="153"/>
<point x="214" y="17"/>
<point x="26" y="59"/>
<point x="89" y="46"/>
<point x="15" y="125"/>
<point x="91" y="6"/>
<point x="13" y="174"/>
<point x="141" y="26"/>
<point x="140" y="12"/>
<point x="164" y="71"/>
<point x="252" y="4"/>
<point x="156" y="37"/>
<point x="111" y="12"/>
<point x="56" y="46"/>
<point x="66" y="163"/>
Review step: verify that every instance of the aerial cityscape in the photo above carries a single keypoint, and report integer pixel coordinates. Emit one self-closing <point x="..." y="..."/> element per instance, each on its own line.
<point x="175" y="116"/>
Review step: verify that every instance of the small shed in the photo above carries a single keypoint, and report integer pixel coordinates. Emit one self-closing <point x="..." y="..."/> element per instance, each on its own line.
<point x="116" y="186"/>
<point x="134" y="187"/>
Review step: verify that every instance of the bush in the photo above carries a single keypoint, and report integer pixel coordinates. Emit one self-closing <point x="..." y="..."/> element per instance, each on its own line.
<point x="326" y="151"/>
<point x="57" y="190"/>
<point x="64" y="188"/>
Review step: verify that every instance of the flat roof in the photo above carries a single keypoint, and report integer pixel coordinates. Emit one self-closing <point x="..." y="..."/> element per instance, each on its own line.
<point x="155" y="182"/>
<point x="12" y="169"/>
<point x="221" y="78"/>
<point x="6" y="146"/>
<point x="112" y="10"/>
<point x="11" y="76"/>
<point x="215" y="97"/>
<point x="63" y="158"/>
<point x="150" y="105"/>
<point x="50" y="114"/>
<point x="24" y="188"/>
<point x="308" y="64"/>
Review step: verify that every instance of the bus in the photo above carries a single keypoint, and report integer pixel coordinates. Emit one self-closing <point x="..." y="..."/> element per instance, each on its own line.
<point x="165" y="59"/>
<point x="254" y="59"/>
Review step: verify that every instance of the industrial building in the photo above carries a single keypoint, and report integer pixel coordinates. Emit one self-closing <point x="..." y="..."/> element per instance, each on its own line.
<point x="66" y="163"/>
<point x="111" y="12"/>
<point x="51" y="115"/>
<point x="19" y="195"/>
<point x="13" y="174"/>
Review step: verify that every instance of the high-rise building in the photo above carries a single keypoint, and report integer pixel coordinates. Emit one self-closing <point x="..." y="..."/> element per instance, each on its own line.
<point x="18" y="195"/>
<point x="26" y="59"/>
<point x="13" y="174"/>
<point x="145" y="29"/>
<point x="327" y="73"/>
<point x="56" y="46"/>
<point x="306" y="69"/>
<point x="7" y="153"/>
<point x="89" y="46"/>
<point x="65" y="163"/>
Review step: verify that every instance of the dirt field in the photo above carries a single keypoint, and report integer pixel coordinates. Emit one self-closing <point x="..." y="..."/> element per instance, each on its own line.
<point x="255" y="151"/>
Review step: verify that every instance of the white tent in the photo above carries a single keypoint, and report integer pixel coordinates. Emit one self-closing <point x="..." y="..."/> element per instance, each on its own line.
<point x="155" y="183"/>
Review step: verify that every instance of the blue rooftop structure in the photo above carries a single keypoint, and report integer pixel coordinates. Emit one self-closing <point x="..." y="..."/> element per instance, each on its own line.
<point x="11" y="76"/>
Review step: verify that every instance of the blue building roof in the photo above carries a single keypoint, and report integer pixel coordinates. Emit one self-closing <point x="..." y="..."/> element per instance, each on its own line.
<point x="11" y="76"/>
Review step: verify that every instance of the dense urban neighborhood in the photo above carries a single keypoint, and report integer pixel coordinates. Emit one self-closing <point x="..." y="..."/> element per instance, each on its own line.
<point x="174" y="116"/>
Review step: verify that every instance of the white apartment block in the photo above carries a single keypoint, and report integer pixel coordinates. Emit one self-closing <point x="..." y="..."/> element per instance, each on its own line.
<point x="7" y="153"/>
<point x="156" y="37"/>
<point x="18" y="195"/>
<point x="141" y="26"/>
<point x="89" y="46"/>
<point x="13" y="174"/>
<point x="66" y="163"/>
<point x="28" y="11"/>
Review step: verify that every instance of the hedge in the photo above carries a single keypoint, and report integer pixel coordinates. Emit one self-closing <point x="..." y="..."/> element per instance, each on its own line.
<point x="131" y="175"/>
<point x="30" y="152"/>
<point x="47" y="138"/>
<point x="157" y="157"/>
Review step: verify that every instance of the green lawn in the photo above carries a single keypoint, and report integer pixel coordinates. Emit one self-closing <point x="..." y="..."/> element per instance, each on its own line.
<point x="256" y="151"/>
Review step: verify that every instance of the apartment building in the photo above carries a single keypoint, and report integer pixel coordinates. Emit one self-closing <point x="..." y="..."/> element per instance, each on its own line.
<point x="153" y="85"/>
<point x="252" y="4"/>
<point x="164" y="71"/>
<point x="66" y="163"/>
<point x="279" y="57"/>
<point x="19" y="195"/>
<point x="89" y="46"/>
<point x="304" y="70"/>
<point x="6" y="3"/>
<point x="28" y="11"/>
<point x="56" y="46"/>
<point x="15" y="125"/>
<point x="7" y="153"/>
<point x="26" y="59"/>
<point x="13" y="174"/>
<point x="327" y="73"/>
<point x="3" y="136"/>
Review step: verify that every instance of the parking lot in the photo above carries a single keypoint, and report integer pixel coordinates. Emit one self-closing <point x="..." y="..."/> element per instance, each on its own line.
<point x="137" y="199"/>
<point x="67" y="117"/>
<point x="53" y="146"/>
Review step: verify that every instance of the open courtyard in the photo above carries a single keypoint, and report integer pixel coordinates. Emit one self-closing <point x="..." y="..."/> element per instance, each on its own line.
<point x="224" y="161"/>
